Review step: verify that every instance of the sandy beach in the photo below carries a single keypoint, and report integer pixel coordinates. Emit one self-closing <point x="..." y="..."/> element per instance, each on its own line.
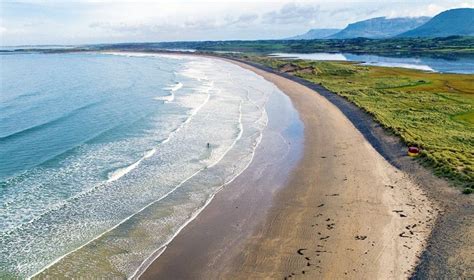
<point x="334" y="210"/>
<point x="246" y="140"/>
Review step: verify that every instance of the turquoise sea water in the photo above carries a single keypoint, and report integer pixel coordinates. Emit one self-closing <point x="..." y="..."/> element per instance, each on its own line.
<point x="110" y="150"/>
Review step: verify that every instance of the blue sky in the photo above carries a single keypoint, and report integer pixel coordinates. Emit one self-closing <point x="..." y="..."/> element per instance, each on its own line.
<point x="89" y="21"/>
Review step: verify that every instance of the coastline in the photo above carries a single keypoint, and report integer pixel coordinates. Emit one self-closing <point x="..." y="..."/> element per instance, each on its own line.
<point x="239" y="207"/>
<point x="203" y="185"/>
<point x="453" y="230"/>
<point x="341" y="178"/>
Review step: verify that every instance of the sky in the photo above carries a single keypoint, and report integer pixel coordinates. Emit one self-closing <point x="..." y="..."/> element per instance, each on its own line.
<point x="91" y="22"/>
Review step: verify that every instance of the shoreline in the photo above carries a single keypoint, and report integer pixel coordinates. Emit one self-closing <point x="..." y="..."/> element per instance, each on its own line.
<point x="290" y="257"/>
<point x="453" y="230"/>
<point x="242" y="123"/>
<point x="240" y="205"/>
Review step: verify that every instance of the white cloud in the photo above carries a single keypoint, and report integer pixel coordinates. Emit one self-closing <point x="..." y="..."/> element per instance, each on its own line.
<point x="292" y="13"/>
<point x="89" y="21"/>
<point x="430" y="9"/>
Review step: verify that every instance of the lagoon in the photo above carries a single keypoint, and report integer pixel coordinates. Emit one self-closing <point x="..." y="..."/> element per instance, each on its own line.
<point x="462" y="65"/>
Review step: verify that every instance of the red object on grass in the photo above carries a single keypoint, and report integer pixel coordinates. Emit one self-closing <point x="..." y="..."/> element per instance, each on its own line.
<point x="413" y="150"/>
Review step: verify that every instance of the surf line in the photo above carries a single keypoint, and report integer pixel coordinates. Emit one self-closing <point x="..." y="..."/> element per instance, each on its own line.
<point x="119" y="173"/>
<point x="124" y="220"/>
<point x="158" y="252"/>
<point x="194" y="112"/>
<point x="241" y="131"/>
<point x="172" y="89"/>
<point x="115" y="226"/>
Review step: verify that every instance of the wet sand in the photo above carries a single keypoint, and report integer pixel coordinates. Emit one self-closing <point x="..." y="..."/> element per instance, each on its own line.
<point x="338" y="211"/>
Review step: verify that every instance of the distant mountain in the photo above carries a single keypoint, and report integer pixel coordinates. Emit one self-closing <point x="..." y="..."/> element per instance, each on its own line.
<point x="315" y="34"/>
<point x="380" y="27"/>
<point x="448" y="23"/>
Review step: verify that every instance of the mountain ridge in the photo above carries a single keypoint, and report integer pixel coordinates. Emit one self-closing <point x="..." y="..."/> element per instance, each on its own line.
<point x="315" y="33"/>
<point x="379" y="27"/>
<point x="448" y="23"/>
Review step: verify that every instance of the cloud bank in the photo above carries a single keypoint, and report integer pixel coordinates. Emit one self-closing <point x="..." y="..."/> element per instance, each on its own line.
<point x="82" y="22"/>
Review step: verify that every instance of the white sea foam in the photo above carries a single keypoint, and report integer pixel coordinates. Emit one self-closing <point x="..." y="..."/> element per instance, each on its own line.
<point x="176" y="87"/>
<point x="138" y="54"/>
<point x="117" y="174"/>
<point x="241" y="131"/>
<point x="159" y="251"/>
<point x="172" y="90"/>
<point x="226" y="108"/>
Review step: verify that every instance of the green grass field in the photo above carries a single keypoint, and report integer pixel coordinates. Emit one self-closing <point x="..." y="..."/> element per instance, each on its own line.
<point x="431" y="110"/>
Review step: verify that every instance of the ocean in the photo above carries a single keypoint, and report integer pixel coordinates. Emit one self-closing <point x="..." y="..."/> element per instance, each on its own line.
<point x="105" y="157"/>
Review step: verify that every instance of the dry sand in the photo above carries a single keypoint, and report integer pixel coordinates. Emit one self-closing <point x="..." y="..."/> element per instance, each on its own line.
<point x="344" y="212"/>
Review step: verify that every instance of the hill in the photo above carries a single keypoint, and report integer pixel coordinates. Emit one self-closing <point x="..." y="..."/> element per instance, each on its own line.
<point x="448" y="23"/>
<point x="381" y="27"/>
<point x="315" y="34"/>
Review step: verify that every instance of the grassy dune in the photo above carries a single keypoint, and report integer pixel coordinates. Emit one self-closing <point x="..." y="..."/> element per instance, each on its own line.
<point x="431" y="110"/>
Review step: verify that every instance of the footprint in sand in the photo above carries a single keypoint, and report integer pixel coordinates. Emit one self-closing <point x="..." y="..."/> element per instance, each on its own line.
<point x="360" y="237"/>
<point x="300" y="251"/>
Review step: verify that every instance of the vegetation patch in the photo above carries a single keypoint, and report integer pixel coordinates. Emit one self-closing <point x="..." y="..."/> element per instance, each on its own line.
<point x="433" y="111"/>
